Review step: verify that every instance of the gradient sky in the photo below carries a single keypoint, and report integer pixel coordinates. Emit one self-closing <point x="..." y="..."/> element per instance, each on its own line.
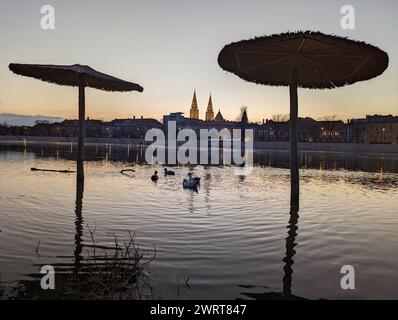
<point x="170" y="47"/>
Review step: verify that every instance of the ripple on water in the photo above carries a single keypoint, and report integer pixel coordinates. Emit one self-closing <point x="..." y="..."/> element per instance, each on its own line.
<point x="231" y="232"/>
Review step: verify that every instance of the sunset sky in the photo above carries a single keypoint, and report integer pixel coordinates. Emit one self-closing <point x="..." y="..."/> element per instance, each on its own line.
<point x="170" y="47"/>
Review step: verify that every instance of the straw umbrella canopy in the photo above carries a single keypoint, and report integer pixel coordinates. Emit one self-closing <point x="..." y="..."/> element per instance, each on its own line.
<point x="75" y="76"/>
<point x="302" y="59"/>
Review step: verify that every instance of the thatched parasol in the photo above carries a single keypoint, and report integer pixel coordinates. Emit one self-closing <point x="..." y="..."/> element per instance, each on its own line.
<point x="75" y="76"/>
<point x="303" y="59"/>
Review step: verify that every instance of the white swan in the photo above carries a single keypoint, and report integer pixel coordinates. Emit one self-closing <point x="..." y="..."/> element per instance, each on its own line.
<point x="191" y="182"/>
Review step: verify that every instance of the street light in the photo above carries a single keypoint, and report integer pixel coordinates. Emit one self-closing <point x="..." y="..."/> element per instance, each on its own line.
<point x="384" y="135"/>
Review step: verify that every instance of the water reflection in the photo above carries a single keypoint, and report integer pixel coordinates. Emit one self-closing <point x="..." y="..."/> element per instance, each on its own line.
<point x="79" y="219"/>
<point x="290" y="252"/>
<point x="380" y="163"/>
<point x="116" y="271"/>
<point x="112" y="272"/>
<point x="286" y="293"/>
<point x="243" y="214"/>
<point x="375" y="182"/>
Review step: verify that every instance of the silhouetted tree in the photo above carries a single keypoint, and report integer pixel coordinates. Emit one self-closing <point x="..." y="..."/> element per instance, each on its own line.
<point x="329" y="122"/>
<point x="278" y="119"/>
<point x="243" y="110"/>
<point x="42" y="122"/>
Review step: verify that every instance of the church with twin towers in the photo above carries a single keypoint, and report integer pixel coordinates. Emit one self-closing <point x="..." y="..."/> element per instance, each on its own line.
<point x="209" y="116"/>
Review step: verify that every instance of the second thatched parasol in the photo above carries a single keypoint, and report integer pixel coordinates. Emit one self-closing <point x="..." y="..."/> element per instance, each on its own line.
<point x="76" y="76"/>
<point x="303" y="59"/>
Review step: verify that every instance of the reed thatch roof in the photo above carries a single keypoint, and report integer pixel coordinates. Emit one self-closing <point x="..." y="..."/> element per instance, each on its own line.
<point x="323" y="61"/>
<point x="74" y="75"/>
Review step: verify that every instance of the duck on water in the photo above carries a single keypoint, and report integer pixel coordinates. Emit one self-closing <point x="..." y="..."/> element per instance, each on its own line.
<point x="155" y="177"/>
<point x="168" y="172"/>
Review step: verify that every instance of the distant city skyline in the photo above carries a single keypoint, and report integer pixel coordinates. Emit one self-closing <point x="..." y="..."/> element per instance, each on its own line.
<point x="12" y="119"/>
<point x="171" y="48"/>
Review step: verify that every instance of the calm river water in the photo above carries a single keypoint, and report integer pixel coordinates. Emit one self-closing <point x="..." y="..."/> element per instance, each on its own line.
<point x="231" y="239"/>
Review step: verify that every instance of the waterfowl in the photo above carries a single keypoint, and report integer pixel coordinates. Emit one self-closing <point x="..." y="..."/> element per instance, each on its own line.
<point x="196" y="179"/>
<point x="127" y="170"/>
<point x="191" y="182"/>
<point x="168" y="172"/>
<point x="155" y="177"/>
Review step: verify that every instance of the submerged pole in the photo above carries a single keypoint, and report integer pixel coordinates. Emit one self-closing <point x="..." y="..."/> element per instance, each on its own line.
<point x="293" y="137"/>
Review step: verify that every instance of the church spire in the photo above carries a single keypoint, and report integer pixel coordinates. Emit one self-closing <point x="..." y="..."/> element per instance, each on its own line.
<point x="194" y="112"/>
<point x="219" y="116"/>
<point x="209" y="111"/>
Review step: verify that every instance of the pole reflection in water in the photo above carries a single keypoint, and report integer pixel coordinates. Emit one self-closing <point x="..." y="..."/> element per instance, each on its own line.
<point x="286" y="293"/>
<point x="290" y="252"/>
<point x="79" y="216"/>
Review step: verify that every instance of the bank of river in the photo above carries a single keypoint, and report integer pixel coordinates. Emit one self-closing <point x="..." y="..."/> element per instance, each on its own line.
<point x="258" y="145"/>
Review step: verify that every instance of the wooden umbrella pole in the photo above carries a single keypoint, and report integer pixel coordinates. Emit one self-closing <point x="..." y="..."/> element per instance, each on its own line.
<point x="293" y="137"/>
<point x="80" y="145"/>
